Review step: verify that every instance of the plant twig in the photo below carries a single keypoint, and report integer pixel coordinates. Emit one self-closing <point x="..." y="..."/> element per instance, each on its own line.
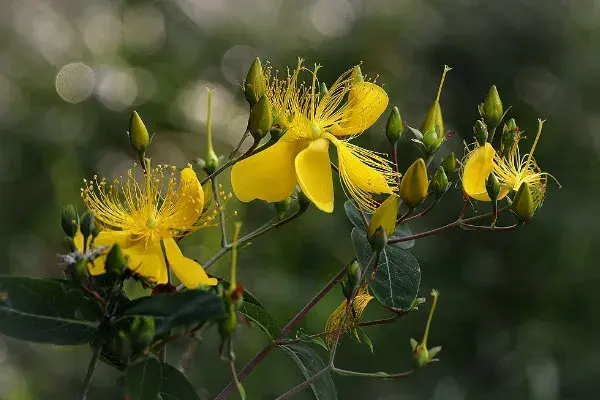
<point x="297" y="389"/>
<point x="90" y="371"/>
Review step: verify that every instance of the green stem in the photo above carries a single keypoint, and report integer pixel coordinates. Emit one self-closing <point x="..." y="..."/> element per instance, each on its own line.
<point x="376" y="375"/>
<point x="258" y="358"/>
<point x="215" y="189"/>
<point x="90" y="372"/>
<point x="230" y="162"/>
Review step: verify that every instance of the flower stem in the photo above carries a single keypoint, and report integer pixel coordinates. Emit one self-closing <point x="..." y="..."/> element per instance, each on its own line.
<point x="230" y="162"/>
<point x="90" y="372"/>
<point x="258" y="358"/>
<point x="221" y="208"/>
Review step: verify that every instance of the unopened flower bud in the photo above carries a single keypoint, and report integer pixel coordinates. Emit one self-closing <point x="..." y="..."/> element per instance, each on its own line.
<point x="87" y="225"/>
<point x="138" y="134"/>
<point x="261" y="118"/>
<point x="491" y="110"/>
<point x="480" y="131"/>
<point x="523" y="205"/>
<point x="322" y="89"/>
<point x="431" y="122"/>
<point x="142" y="333"/>
<point x="439" y="183"/>
<point x="79" y="270"/>
<point x="69" y="220"/>
<point x="492" y="186"/>
<point x="275" y="134"/>
<point x="394" y="126"/>
<point x="281" y="207"/>
<point x="385" y="216"/>
<point x="115" y="261"/>
<point x="354" y="274"/>
<point x="378" y="239"/>
<point x="432" y="142"/>
<point x="510" y="135"/>
<point x="449" y="163"/>
<point x="414" y="184"/>
<point x="255" y="84"/>
<point x="357" y="75"/>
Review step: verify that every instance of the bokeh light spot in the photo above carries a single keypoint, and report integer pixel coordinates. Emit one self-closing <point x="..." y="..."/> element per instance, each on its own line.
<point x="75" y="82"/>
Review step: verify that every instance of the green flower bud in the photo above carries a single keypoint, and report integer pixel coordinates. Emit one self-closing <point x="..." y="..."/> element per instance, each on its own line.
<point x="432" y="142"/>
<point x="357" y="75"/>
<point x="439" y="183"/>
<point x="211" y="162"/>
<point x="322" y="89"/>
<point x="87" y="225"/>
<point x="420" y="356"/>
<point x="378" y="239"/>
<point x="492" y="186"/>
<point x="255" y="84"/>
<point x="449" y="164"/>
<point x="394" y="126"/>
<point x="79" y="271"/>
<point x="491" y="110"/>
<point x="354" y="274"/>
<point x="261" y="118"/>
<point x="276" y="134"/>
<point x="480" y="131"/>
<point x="510" y="136"/>
<point x="138" y="134"/>
<point x="121" y="345"/>
<point x="115" y="262"/>
<point x="142" y="333"/>
<point x="69" y="220"/>
<point x="523" y="205"/>
<point x="281" y="207"/>
<point x="414" y="184"/>
<point x="429" y="124"/>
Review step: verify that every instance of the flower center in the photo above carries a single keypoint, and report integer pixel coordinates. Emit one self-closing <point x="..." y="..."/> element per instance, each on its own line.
<point x="316" y="131"/>
<point x="151" y="223"/>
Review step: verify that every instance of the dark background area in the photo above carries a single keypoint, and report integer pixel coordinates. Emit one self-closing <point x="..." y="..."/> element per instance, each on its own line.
<point x="518" y="311"/>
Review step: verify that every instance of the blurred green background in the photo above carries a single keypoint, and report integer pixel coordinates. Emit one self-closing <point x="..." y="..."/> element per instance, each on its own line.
<point x="517" y="313"/>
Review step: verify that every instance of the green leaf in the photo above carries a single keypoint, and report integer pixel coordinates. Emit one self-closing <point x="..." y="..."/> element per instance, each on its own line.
<point x="304" y="337"/>
<point x="355" y="218"/>
<point x="310" y="363"/>
<point x="252" y="309"/>
<point x="175" y="385"/>
<point x="176" y="309"/>
<point x="143" y="380"/>
<point x="47" y="311"/>
<point x="361" y="336"/>
<point x="396" y="282"/>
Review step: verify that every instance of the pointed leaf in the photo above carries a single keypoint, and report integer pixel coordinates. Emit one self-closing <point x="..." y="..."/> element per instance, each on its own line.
<point x="143" y="380"/>
<point x="310" y="363"/>
<point x="176" y="309"/>
<point x="396" y="282"/>
<point x="175" y="385"/>
<point x="47" y="311"/>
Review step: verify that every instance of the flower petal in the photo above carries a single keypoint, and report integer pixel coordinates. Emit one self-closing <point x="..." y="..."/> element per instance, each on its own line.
<point x="183" y="206"/>
<point x="148" y="261"/>
<point x="366" y="102"/>
<point x="479" y="165"/>
<point x="108" y="239"/>
<point x="313" y="169"/>
<point x="268" y="175"/>
<point x="189" y="272"/>
<point x="363" y="172"/>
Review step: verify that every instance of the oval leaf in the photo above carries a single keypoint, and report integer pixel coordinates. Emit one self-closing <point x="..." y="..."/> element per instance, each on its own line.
<point x="47" y="311"/>
<point x="175" y="385"/>
<point x="143" y="380"/>
<point x="355" y="218"/>
<point x="310" y="363"/>
<point x="396" y="282"/>
<point x="176" y="309"/>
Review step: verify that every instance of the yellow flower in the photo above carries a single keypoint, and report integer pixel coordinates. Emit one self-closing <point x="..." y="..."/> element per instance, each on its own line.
<point x="511" y="171"/>
<point x="301" y="156"/>
<point x="143" y="218"/>
<point x="346" y="318"/>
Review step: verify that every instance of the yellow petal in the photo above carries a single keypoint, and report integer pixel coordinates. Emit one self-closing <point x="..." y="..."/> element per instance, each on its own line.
<point x="268" y="175"/>
<point x="366" y="103"/>
<point x="363" y="172"/>
<point x="479" y="165"/>
<point x="148" y="261"/>
<point x="183" y="206"/>
<point x="385" y="216"/>
<point x="108" y="239"/>
<point x="188" y="271"/>
<point x="313" y="169"/>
